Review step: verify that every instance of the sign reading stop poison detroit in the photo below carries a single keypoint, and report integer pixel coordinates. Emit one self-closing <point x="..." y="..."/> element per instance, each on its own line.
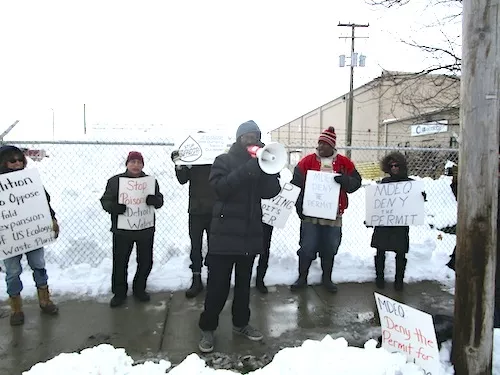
<point x="202" y="148"/>
<point x="133" y="193"/>
<point x="26" y="223"/>
<point x="395" y="204"/>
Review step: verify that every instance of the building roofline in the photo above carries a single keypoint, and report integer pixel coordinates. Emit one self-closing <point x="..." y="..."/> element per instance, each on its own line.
<point x="430" y="113"/>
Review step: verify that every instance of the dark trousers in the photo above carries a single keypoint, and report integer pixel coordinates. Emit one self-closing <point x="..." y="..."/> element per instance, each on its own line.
<point x="122" y="248"/>
<point x="220" y="269"/>
<point x="264" y="256"/>
<point x="198" y="224"/>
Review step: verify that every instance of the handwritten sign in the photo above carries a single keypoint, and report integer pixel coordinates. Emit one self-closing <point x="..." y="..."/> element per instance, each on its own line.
<point x="395" y="204"/>
<point x="202" y="148"/>
<point x="275" y="211"/>
<point x="26" y="223"/>
<point x="409" y="331"/>
<point x="133" y="192"/>
<point x="321" y="195"/>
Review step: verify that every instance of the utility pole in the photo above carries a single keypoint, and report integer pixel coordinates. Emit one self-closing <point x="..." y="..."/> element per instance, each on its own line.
<point x="53" y="124"/>
<point x="354" y="58"/>
<point x="84" y="121"/>
<point x="477" y="188"/>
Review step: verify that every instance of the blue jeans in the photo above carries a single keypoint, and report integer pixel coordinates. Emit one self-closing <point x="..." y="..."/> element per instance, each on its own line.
<point x="13" y="269"/>
<point x="322" y="239"/>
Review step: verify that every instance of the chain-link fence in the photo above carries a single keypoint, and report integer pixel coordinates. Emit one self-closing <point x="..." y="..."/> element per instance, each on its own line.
<point x="75" y="175"/>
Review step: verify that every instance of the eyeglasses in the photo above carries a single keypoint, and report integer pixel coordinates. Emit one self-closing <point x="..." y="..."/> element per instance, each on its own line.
<point x="15" y="160"/>
<point x="394" y="165"/>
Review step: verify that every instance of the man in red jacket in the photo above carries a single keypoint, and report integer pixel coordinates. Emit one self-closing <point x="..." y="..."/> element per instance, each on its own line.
<point x="319" y="235"/>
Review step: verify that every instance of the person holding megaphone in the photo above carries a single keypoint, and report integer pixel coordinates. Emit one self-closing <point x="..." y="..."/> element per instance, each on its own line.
<point x="236" y="235"/>
<point x="319" y="235"/>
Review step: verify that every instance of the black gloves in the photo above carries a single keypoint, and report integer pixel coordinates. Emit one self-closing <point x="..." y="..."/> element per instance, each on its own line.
<point x="119" y="209"/>
<point x="153" y="200"/>
<point x="174" y="155"/>
<point x="342" y="179"/>
<point x="253" y="167"/>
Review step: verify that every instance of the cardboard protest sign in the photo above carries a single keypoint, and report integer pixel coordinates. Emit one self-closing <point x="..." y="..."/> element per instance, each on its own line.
<point x="26" y="223"/>
<point x="275" y="211"/>
<point x="321" y="195"/>
<point x="408" y="331"/>
<point x="395" y="204"/>
<point x="133" y="192"/>
<point x="202" y="148"/>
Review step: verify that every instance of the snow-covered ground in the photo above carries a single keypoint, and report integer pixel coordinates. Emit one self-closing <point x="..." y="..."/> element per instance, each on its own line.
<point x="79" y="263"/>
<point x="325" y="357"/>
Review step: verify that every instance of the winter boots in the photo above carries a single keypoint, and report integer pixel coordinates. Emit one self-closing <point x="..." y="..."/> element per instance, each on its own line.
<point x="47" y="306"/>
<point x="379" y="270"/>
<point x="16" y="306"/>
<point x="327" y="267"/>
<point x="400" y="271"/>
<point x="16" y="314"/>
<point x="196" y="286"/>
<point x="301" y="282"/>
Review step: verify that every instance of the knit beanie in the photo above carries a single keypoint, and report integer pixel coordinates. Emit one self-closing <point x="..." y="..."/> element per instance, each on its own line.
<point x="329" y="136"/>
<point x="248" y="127"/>
<point x="134" y="155"/>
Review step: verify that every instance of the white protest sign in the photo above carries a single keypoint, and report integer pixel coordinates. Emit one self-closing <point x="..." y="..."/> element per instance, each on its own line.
<point x="275" y="211"/>
<point x="409" y="331"/>
<point x="395" y="204"/>
<point x="26" y="223"/>
<point x="133" y="192"/>
<point x="321" y="195"/>
<point x="202" y="148"/>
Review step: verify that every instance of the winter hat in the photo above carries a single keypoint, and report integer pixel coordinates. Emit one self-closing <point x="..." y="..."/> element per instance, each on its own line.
<point x="134" y="155"/>
<point x="329" y="136"/>
<point x="248" y="127"/>
<point x="8" y="151"/>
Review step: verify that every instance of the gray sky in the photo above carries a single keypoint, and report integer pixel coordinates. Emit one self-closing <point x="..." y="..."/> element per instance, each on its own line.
<point x="200" y="64"/>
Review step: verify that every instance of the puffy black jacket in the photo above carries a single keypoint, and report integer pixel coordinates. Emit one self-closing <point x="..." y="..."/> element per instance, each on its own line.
<point x="239" y="185"/>
<point x="109" y="201"/>
<point x="201" y="194"/>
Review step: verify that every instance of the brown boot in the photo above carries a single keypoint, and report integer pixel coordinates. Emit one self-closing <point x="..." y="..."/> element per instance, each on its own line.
<point x="16" y="314"/>
<point x="47" y="306"/>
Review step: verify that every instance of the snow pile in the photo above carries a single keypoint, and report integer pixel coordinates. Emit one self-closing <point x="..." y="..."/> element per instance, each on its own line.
<point x="327" y="356"/>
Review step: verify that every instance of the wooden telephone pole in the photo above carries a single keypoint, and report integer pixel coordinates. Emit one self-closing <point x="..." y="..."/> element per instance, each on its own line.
<point x="477" y="188"/>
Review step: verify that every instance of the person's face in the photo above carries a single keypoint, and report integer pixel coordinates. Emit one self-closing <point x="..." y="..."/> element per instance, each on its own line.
<point x="249" y="139"/>
<point x="324" y="149"/>
<point x="135" y="167"/>
<point x="394" y="168"/>
<point x="15" y="162"/>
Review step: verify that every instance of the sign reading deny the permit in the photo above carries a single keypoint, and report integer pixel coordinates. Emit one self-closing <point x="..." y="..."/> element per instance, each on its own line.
<point x="202" y="148"/>
<point x="321" y="195"/>
<point x="395" y="204"/>
<point x="409" y="331"/>
<point x="25" y="223"/>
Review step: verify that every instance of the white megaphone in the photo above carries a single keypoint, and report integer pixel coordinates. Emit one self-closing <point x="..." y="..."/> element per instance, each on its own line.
<point x="272" y="157"/>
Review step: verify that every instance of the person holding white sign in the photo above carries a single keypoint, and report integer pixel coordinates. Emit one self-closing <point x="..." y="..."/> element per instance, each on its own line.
<point x="319" y="234"/>
<point x="392" y="238"/>
<point x="12" y="160"/>
<point x="135" y="206"/>
<point x="201" y="203"/>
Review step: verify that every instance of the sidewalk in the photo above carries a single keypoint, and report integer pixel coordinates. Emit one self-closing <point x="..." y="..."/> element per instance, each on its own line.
<point x="167" y="327"/>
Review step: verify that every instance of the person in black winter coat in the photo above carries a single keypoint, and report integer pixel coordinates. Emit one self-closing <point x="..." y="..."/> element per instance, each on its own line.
<point x="201" y="201"/>
<point x="235" y="233"/>
<point x="392" y="238"/>
<point x="123" y="240"/>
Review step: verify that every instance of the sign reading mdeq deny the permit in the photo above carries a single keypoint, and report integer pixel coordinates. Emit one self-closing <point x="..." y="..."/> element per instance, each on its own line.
<point x="202" y="148"/>
<point x="133" y="192"/>
<point x="409" y="331"/>
<point x="321" y="195"/>
<point x="275" y="211"/>
<point x="395" y="204"/>
<point x="26" y="223"/>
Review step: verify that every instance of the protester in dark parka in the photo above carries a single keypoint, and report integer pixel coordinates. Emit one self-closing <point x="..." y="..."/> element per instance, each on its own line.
<point x="123" y="240"/>
<point x="392" y="238"/>
<point x="318" y="235"/>
<point x="12" y="159"/>
<point x="201" y="201"/>
<point x="235" y="233"/>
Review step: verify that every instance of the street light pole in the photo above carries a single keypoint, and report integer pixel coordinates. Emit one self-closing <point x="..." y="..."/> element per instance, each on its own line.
<point x="53" y="127"/>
